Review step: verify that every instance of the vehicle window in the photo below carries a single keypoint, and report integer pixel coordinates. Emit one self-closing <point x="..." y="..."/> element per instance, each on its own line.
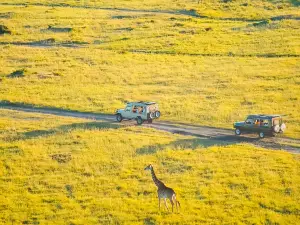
<point x="265" y="123"/>
<point x="135" y="109"/>
<point x="128" y="108"/>
<point x="257" y="122"/>
<point x="140" y="109"/>
<point x="261" y="122"/>
<point x="249" y="121"/>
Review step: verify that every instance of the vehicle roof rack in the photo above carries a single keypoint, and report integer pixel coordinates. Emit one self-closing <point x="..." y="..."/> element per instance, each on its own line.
<point x="142" y="102"/>
<point x="266" y="115"/>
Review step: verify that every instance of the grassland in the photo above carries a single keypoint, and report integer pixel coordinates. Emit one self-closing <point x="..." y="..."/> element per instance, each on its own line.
<point x="59" y="170"/>
<point x="209" y="63"/>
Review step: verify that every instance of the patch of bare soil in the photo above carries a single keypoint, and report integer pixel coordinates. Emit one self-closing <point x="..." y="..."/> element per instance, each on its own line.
<point x="62" y="158"/>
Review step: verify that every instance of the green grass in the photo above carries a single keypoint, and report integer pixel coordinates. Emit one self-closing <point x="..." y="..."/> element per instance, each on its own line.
<point x="59" y="170"/>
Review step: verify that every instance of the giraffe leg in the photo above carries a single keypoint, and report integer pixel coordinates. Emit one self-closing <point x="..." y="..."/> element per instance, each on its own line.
<point x="166" y="204"/>
<point x="172" y="203"/>
<point x="159" y="204"/>
<point x="175" y="201"/>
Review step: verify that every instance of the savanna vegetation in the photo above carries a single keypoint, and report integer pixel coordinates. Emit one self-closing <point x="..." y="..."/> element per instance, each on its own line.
<point x="209" y="63"/>
<point x="56" y="170"/>
<point x="205" y="62"/>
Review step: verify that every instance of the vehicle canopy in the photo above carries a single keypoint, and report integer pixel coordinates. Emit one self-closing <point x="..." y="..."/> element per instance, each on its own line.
<point x="263" y="116"/>
<point x="141" y="103"/>
<point x="148" y="106"/>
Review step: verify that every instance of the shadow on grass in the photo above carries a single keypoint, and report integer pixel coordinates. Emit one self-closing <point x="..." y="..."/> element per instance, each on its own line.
<point x="57" y="29"/>
<point x="229" y="54"/>
<point x="182" y="144"/>
<point x="222" y="140"/>
<point x="206" y="137"/>
<point x="27" y="107"/>
<point x="47" y="43"/>
<point x="192" y="12"/>
<point x="17" y="73"/>
<point x="64" y="129"/>
<point x="295" y="2"/>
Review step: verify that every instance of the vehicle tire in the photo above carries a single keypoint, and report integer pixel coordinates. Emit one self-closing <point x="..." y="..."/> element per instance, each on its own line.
<point x="152" y="115"/>
<point x="237" y="131"/>
<point x="276" y="128"/>
<point x="119" y="117"/>
<point x="149" y="120"/>
<point x="157" y="114"/>
<point x="139" y="120"/>
<point x="282" y="127"/>
<point x="261" y="134"/>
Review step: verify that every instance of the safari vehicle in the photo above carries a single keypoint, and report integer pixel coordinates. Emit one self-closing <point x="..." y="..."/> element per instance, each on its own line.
<point x="140" y="111"/>
<point x="261" y="124"/>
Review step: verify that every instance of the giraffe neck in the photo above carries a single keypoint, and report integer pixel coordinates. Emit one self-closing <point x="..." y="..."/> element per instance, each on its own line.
<point x="156" y="181"/>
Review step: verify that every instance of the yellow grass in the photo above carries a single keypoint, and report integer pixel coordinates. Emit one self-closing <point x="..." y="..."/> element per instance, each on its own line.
<point x="60" y="171"/>
<point x="210" y="63"/>
<point x="109" y="57"/>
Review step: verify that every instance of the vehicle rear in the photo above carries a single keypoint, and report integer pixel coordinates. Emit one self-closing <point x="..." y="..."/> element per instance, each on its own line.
<point x="153" y="111"/>
<point x="277" y="125"/>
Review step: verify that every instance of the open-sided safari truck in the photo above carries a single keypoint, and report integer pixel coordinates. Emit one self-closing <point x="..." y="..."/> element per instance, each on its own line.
<point x="140" y="111"/>
<point x="261" y="124"/>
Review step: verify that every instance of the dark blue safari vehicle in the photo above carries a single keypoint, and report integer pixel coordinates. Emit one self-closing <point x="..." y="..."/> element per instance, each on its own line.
<point x="261" y="124"/>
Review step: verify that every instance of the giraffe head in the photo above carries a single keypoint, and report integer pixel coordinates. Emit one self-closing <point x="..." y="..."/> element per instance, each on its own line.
<point x="149" y="167"/>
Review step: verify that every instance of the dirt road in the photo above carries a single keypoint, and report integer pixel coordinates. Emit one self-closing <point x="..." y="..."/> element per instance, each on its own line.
<point x="218" y="135"/>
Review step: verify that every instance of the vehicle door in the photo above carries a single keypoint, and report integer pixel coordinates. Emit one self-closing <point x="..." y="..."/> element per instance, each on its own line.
<point x="249" y="123"/>
<point x="143" y="112"/>
<point x="135" y="111"/>
<point x="256" y="125"/>
<point x="265" y="125"/>
<point x="127" y="112"/>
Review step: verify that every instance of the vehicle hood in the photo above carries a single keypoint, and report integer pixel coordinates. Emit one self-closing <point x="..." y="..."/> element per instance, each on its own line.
<point x="238" y="124"/>
<point x="119" y="110"/>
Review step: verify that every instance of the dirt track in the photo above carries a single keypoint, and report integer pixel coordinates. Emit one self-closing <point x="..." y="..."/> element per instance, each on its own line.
<point x="218" y="135"/>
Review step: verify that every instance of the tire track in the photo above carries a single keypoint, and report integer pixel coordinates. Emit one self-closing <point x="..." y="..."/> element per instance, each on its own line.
<point x="219" y="135"/>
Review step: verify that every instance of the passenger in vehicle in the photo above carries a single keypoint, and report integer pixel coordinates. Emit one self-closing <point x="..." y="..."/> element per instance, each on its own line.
<point x="261" y="122"/>
<point x="141" y="109"/>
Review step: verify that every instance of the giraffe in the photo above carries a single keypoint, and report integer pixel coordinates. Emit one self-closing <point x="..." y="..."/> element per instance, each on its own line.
<point x="163" y="191"/>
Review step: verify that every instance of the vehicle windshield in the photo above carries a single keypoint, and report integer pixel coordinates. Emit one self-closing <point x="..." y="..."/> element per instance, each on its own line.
<point x="264" y="122"/>
<point x="249" y="121"/>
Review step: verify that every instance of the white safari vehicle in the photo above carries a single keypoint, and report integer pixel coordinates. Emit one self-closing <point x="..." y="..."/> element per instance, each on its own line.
<point x="140" y="111"/>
